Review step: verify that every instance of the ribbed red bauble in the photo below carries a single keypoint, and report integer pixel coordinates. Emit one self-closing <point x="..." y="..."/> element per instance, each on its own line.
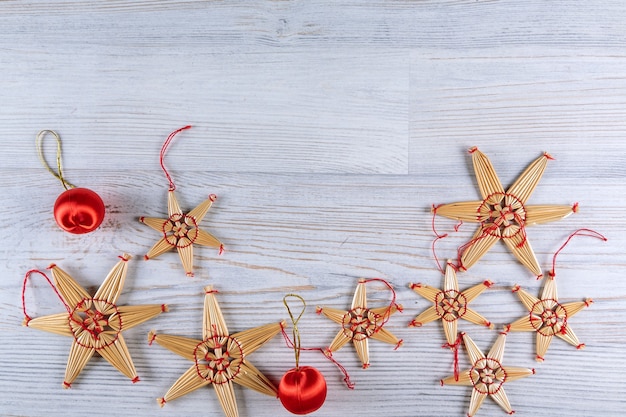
<point x="302" y="390"/>
<point x="79" y="210"/>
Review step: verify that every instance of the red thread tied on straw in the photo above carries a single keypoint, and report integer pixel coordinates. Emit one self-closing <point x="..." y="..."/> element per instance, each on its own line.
<point x="455" y="350"/>
<point x="387" y="314"/>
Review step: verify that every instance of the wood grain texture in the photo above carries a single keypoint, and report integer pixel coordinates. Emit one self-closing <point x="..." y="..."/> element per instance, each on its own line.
<point x="327" y="130"/>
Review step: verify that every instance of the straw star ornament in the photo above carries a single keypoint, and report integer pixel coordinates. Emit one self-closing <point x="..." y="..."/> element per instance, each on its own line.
<point x="220" y="358"/>
<point x="487" y="375"/>
<point x="503" y="215"/>
<point x="450" y="304"/>
<point x="361" y="323"/>
<point x="94" y="322"/>
<point x="180" y="230"/>
<point x="546" y="316"/>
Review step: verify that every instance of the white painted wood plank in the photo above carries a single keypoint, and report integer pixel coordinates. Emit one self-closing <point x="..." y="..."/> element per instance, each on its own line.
<point x="319" y="111"/>
<point x="515" y="104"/>
<point x="242" y="26"/>
<point x="290" y="100"/>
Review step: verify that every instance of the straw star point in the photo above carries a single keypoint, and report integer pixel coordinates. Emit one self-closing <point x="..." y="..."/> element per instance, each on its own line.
<point x="450" y="304"/>
<point x="361" y="323"/>
<point x="95" y="322"/>
<point x="547" y="317"/>
<point x="487" y="375"/>
<point x="181" y="231"/>
<point x="503" y="215"/>
<point x="219" y="359"/>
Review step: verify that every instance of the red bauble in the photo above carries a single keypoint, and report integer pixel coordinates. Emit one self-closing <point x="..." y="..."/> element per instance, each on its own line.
<point x="79" y="210"/>
<point x="302" y="390"/>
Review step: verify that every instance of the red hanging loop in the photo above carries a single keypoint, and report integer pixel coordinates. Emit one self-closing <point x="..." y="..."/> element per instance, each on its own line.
<point x="579" y="232"/>
<point x="387" y="314"/>
<point x="437" y="238"/>
<point x="164" y="149"/>
<point x="27" y="318"/>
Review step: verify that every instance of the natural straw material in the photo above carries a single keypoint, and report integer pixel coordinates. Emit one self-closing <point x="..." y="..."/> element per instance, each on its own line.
<point x="450" y="304"/>
<point x="487" y="375"/>
<point x="547" y="317"/>
<point x="220" y="358"/>
<point x="95" y="322"/>
<point x="503" y="215"/>
<point x="181" y="231"/>
<point x="360" y="323"/>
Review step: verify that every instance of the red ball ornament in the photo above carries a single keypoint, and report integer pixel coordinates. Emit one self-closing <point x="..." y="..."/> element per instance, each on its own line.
<point x="302" y="390"/>
<point x="79" y="210"/>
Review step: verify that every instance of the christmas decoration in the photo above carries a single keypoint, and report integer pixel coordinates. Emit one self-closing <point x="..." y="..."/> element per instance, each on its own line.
<point x="219" y="359"/>
<point x="302" y="390"/>
<point x="95" y="322"/>
<point x="361" y="323"/>
<point x="503" y="215"/>
<point x="547" y="317"/>
<point x="487" y="375"/>
<point x="77" y="210"/>
<point x="450" y="304"/>
<point x="180" y="230"/>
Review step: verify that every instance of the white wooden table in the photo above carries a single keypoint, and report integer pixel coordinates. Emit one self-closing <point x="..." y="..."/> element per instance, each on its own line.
<point x="327" y="129"/>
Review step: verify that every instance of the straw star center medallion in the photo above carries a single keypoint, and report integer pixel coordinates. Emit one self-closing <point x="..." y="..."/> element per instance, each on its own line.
<point x="548" y="319"/>
<point x="487" y="376"/>
<point x="218" y="359"/>
<point x="180" y="230"/>
<point x="90" y="319"/>
<point x="450" y="305"/>
<point x="502" y="215"/>
<point x="359" y="323"/>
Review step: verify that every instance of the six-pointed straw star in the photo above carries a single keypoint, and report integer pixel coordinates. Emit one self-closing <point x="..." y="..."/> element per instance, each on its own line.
<point x="219" y="359"/>
<point x="547" y="317"/>
<point x="181" y="231"/>
<point x="487" y="375"/>
<point x="360" y="323"/>
<point x="450" y="304"/>
<point x="503" y="215"/>
<point x="96" y="323"/>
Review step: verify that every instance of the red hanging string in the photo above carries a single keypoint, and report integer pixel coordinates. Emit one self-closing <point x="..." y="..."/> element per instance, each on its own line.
<point x="455" y="350"/>
<point x="437" y="238"/>
<point x="327" y="354"/>
<point x="387" y="315"/>
<point x="579" y="232"/>
<point x="26" y="277"/>
<point x="467" y="245"/>
<point x="164" y="149"/>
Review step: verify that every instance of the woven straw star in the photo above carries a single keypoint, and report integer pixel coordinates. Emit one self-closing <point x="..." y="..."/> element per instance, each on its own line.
<point x="450" y="304"/>
<point x="181" y="231"/>
<point x="96" y="323"/>
<point x="360" y="323"/>
<point x="219" y="359"/>
<point x="547" y="317"/>
<point x="487" y="375"/>
<point x="503" y="215"/>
